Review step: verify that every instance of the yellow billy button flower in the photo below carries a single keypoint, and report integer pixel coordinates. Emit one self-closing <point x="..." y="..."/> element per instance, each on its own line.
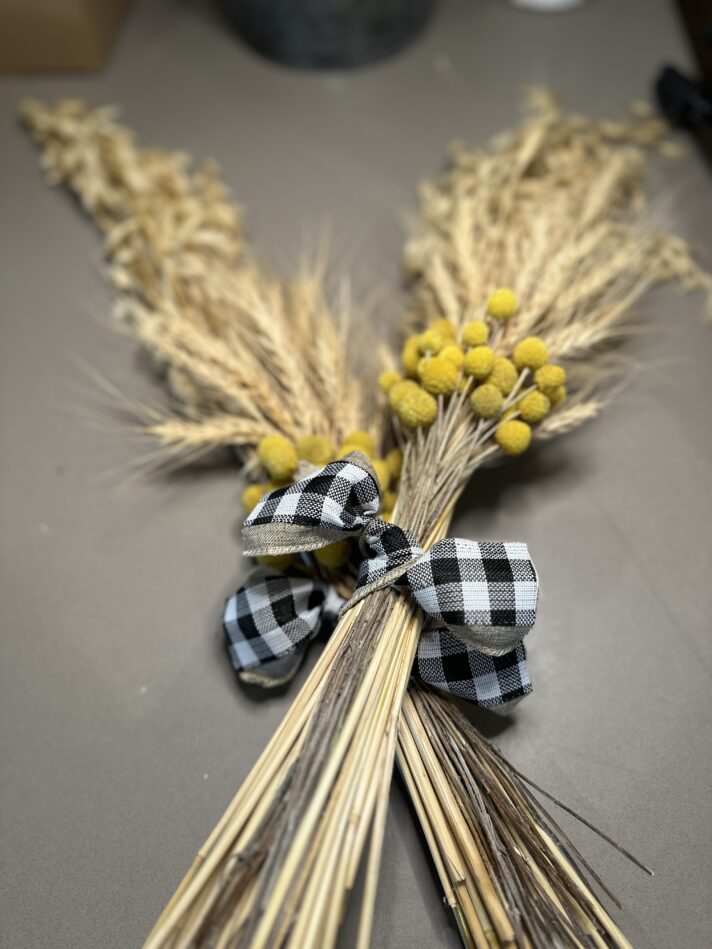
<point x="444" y="327"/>
<point x="415" y="407"/>
<point x="438" y="375"/>
<point x="383" y="473"/>
<point x="394" y="460"/>
<point x="251" y="495"/>
<point x="486" y="401"/>
<point x="550" y="377"/>
<point x="513" y="437"/>
<point x="533" y="407"/>
<point x="502" y="304"/>
<point x="334" y="555"/>
<point x="279" y="457"/>
<point x="475" y="333"/>
<point x="410" y="356"/>
<point x="364" y="440"/>
<point x="389" y="500"/>
<point x="557" y="396"/>
<point x="315" y="449"/>
<point x="388" y="378"/>
<point x="399" y="391"/>
<point x="454" y="354"/>
<point x="504" y="375"/>
<point x="430" y="342"/>
<point x="347" y="448"/>
<point x="530" y="353"/>
<point x="479" y="362"/>
<point x="278" y="561"/>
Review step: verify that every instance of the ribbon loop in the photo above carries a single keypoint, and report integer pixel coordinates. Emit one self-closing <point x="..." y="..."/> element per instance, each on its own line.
<point x="335" y="502"/>
<point x="484" y="591"/>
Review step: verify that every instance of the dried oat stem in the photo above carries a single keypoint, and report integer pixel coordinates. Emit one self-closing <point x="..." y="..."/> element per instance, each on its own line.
<point x="508" y="870"/>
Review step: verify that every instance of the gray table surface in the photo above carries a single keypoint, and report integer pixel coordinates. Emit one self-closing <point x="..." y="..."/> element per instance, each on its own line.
<point x="123" y="732"/>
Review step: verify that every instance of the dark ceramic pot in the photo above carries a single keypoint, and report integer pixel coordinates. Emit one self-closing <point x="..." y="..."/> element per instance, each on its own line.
<point x="327" y="34"/>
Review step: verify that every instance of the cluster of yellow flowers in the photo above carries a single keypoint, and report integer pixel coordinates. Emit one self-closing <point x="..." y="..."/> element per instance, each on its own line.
<point x="437" y="363"/>
<point x="280" y="457"/>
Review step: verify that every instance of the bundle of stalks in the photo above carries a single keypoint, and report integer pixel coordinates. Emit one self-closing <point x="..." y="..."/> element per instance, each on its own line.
<point x="510" y="873"/>
<point x="246" y="354"/>
<point x="552" y="212"/>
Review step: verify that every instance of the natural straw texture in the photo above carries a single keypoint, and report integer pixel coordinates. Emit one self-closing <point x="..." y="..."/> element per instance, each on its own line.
<point x="319" y="780"/>
<point x="291" y="870"/>
<point x="510" y="874"/>
<point x="244" y="353"/>
<point x="555" y="210"/>
<point x="552" y="211"/>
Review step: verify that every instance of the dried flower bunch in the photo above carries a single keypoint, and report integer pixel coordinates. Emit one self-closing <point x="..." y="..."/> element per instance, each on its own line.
<point x="502" y="403"/>
<point x="550" y="215"/>
<point x="442" y="363"/>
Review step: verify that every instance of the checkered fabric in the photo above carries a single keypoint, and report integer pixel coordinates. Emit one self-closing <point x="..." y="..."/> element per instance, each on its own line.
<point x="445" y="662"/>
<point x="272" y="618"/>
<point x="484" y="593"/>
<point x="484" y="590"/>
<point x="274" y="614"/>
<point x="386" y="548"/>
<point x="335" y="502"/>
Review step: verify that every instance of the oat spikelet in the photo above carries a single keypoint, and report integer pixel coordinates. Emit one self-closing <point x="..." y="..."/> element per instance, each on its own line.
<point x="234" y="339"/>
<point x="552" y="210"/>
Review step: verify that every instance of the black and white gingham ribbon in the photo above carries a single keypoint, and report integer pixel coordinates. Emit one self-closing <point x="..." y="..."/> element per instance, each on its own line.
<point x="483" y="591"/>
<point x="273" y="617"/>
<point x="334" y="502"/>
<point x="479" y="598"/>
<point x="445" y="662"/>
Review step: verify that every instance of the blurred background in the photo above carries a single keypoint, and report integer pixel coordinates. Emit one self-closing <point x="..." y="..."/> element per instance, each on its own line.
<point x="123" y="733"/>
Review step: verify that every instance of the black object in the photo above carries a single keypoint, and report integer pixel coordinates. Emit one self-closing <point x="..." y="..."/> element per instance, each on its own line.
<point x="697" y="19"/>
<point x="327" y="34"/>
<point x="687" y="104"/>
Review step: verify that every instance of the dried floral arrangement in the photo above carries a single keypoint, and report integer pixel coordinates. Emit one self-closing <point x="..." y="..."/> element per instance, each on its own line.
<point x="551" y="214"/>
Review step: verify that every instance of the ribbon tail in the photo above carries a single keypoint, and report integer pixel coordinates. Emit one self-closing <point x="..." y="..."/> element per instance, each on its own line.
<point x="447" y="663"/>
<point x="270" y="621"/>
<point x="272" y="674"/>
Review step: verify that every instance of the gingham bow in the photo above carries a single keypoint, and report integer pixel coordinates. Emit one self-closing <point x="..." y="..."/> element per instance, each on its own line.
<point x="479" y="597"/>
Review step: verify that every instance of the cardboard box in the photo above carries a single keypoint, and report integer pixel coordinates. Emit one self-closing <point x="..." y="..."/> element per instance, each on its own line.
<point x="48" y="35"/>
